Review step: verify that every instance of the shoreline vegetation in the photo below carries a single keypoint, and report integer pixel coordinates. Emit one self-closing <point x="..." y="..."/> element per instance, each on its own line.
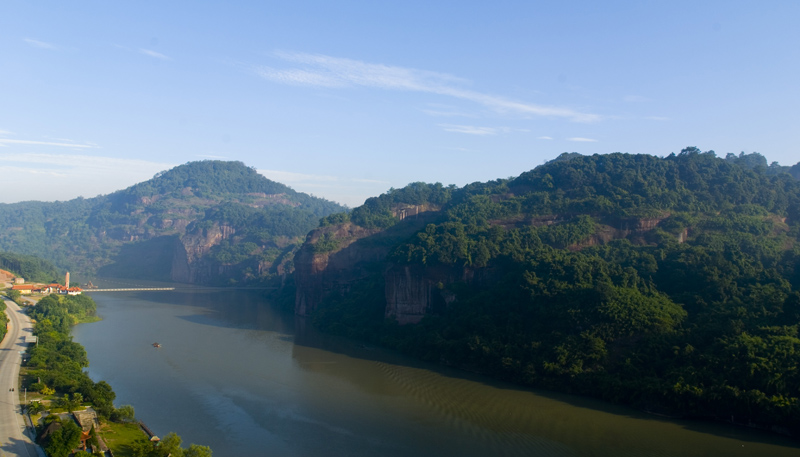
<point x="56" y="386"/>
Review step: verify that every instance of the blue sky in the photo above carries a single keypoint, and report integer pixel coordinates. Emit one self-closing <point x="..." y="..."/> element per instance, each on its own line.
<point x="346" y="99"/>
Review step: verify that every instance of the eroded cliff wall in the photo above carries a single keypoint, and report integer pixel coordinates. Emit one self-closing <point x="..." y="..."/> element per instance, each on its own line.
<point x="411" y="290"/>
<point x="189" y="261"/>
<point x="319" y="272"/>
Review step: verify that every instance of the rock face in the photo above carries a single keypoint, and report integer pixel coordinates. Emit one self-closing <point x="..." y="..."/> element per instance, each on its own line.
<point x="352" y="254"/>
<point x="633" y="229"/>
<point x="320" y="273"/>
<point x="188" y="263"/>
<point x="408" y="294"/>
<point x="411" y="291"/>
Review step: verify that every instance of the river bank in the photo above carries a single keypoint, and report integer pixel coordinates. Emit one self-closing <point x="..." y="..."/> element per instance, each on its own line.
<point x="54" y="376"/>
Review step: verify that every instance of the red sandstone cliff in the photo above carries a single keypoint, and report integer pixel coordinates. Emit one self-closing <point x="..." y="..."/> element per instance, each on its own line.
<point x="411" y="291"/>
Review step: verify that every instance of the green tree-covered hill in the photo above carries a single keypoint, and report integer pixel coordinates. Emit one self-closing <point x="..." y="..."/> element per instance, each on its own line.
<point x="29" y="267"/>
<point x="672" y="284"/>
<point x="206" y="222"/>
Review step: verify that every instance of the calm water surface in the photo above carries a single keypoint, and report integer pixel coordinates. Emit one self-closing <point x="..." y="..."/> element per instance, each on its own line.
<point x="236" y="375"/>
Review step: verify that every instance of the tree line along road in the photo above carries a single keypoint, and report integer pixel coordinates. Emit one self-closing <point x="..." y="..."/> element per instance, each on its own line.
<point x="13" y="439"/>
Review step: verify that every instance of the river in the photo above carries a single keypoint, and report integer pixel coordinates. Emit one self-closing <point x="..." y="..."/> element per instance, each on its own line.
<point x="235" y="374"/>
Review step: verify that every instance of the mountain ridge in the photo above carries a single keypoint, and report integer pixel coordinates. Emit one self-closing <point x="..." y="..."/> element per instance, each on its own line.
<point x="138" y="231"/>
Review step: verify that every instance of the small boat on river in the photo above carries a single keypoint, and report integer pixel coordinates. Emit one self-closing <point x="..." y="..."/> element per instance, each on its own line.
<point x="156" y="345"/>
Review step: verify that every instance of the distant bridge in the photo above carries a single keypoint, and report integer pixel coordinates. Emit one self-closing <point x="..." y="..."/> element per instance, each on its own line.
<point x="129" y="290"/>
<point x="193" y="289"/>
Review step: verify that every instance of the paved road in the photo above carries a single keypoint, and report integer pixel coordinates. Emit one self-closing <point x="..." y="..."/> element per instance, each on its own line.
<point x="13" y="440"/>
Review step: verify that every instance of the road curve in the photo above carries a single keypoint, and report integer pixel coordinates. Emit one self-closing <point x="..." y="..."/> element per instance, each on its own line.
<point x="13" y="439"/>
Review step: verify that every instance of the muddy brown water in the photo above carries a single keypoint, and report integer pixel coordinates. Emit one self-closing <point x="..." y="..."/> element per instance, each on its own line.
<point x="235" y="374"/>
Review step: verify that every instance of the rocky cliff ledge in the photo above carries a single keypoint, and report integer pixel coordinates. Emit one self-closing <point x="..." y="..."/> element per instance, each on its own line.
<point x="412" y="291"/>
<point x="330" y="260"/>
<point x="188" y="263"/>
<point x="334" y="258"/>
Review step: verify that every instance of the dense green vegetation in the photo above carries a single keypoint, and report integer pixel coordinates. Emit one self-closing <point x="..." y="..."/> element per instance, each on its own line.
<point x="33" y="269"/>
<point x="261" y="235"/>
<point x="3" y="320"/>
<point x="376" y="212"/>
<point x="57" y="362"/>
<point x="670" y="284"/>
<point x="170" y="446"/>
<point x="210" y="180"/>
<point x="61" y="441"/>
<point x="134" y="232"/>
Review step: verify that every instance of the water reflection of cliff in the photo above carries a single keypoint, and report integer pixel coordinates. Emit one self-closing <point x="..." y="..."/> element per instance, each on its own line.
<point x="231" y="352"/>
<point x="499" y="414"/>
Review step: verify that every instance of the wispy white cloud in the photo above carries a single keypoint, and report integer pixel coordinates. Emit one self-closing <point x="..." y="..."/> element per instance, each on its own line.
<point x="435" y="113"/>
<point x="17" y="171"/>
<point x="299" y="77"/>
<point x="334" y="72"/>
<point x="39" y="44"/>
<point x="6" y="141"/>
<point x="48" y="177"/>
<point x="152" y="53"/>
<point x="445" y="111"/>
<point x="476" y="130"/>
<point x="84" y="161"/>
<point x="5" y="132"/>
<point x="353" y="72"/>
<point x="470" y="129"/>
<point x="544" y="138"/>
<point x="582" y="140"/>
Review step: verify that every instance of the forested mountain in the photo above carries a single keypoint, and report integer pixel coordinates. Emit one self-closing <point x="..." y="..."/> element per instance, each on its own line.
<point x="29" y="267"/>
<point x="208" y="222"/>
<point x="672" y="284"/>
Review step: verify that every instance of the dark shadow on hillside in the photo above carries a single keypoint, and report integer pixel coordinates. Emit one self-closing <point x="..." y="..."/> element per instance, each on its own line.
<point x="400" y="231"/>
<point x="148" y="260"/>
<point x="308" y="337"/>
<point x="362" y="258"/>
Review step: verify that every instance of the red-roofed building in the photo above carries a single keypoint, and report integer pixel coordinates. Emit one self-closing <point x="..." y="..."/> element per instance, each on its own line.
<point x="27" y="289"/>
<point x="24" y="289"/>
<point x="72" y="290"/>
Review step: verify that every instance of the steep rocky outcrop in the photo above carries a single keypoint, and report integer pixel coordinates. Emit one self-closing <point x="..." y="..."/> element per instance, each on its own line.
<point x="319" y="272"/>
<point x="412" y="291"/>
<point x="409" y="293"/>
<point x="189" y="262"/>
<point x="354" y="253"/>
